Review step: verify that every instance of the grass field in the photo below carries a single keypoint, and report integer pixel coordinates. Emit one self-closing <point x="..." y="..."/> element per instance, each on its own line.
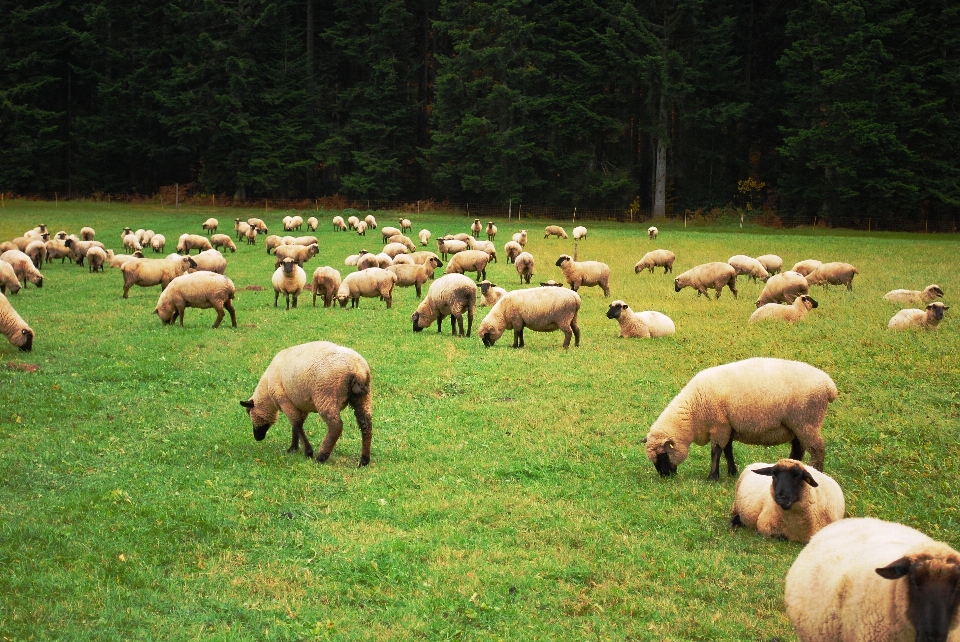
<point x="508" y="497"/>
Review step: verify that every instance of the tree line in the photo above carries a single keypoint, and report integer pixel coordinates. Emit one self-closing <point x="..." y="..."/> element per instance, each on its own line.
<point x="817" y="108"/>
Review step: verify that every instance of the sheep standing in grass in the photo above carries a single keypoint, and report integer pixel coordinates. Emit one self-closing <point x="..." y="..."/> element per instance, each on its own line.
<point x="190" y="242"/>
<point x="313" y="223"/>
<point x="224" y="241"/>
<point x="352" y="222"/>
<point x="288" y="280"/>
<point x="915" y="297"/>
<point x="415" y="275"/>
<point x="37" y="251"/>
<point x="833" y="274"/>
<point x="210" y="225"/>
<point x="786" y="500"/>
<point x="643" y="325"/>
<point x="521" y="238"/>
<point x="338" y="224"/>
<point x="714" y="275"/>
<point x="57" y="249"/>
<point x="80" y="249"/>
<point x="23" y="267"/>
<point x="655" y="259"/>
<point x="158" y="242"/>
<point x="751" y="267"/>
<point x="424" y="236"/>
<point x="251" y="234"/>
<point x="491" y="231"/>
<point x="371" y="221"/>
<point x="806" y="267"/>
<point x="652" y="232"/>
<point x="584" y="273"/>
<point x="475" y="228"/>
<point x="758" y="401"/>
<point x="554" y="230"/>
<point x="361" y="228"/>
<point x="490" y="293"/>
<point x="149" y="272"/>
<point x="866" y="580"/>
<point x="469" y="261"/>
<point x="96" y="257"/>
<point x="319" y="377"/>
<point x="87" y="233"/>
<point x="512" y="249"/>
<point x="387" y="232"/>
<point x="116" y="260"/>
<point x="296" y="221"/>
<point x="450" y="246"/>
<point x="132" y="243"/>
<point x="772" y="263"/>
<point x="14" y="327"/>
<point x="783" y="288"/>
<point x="525" y="265"/>
<point x="406" y="225"/>
<point x="326" y="282"/>
<point x="796" y="311"/>
<point x="8" y="279"/>
<point x="299" y="253"/>
<point x="202" y="290"/>
<point x="405" y="241"/>
<point x="579" y="233"/>
<point x="450" y="295"/>
<point x="211" y="261"/>
<point x="384" y="260"/>
<point x="485" y="246"/>
<point x="539" y="309"/>
<point x="912" y="318"/>
<point x="371" y="282"/>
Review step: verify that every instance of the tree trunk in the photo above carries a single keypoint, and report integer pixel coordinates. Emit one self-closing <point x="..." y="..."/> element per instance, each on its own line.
<point x="310" y="45"/>
<point x="660" y="191"/>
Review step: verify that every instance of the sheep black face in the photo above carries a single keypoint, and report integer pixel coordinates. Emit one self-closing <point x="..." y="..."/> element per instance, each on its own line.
<point x="416" y="325"/>
<point x="615" y="311"/>
<point x="259" y="432"/>
<point x="936" y="290"/>
<point x="813" y="303"/>
<point x="937" y="307"/>
<point x="677" y="288"/>
<point x="28" y="342"/>
<point x="787" y="483"/>
<point x="933" y="594"/>
<point x="487" y="340"/>
<point x="560" y="261"/>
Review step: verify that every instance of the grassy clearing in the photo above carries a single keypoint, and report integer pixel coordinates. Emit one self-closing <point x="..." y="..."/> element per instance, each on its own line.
<point x="508" y="496"/>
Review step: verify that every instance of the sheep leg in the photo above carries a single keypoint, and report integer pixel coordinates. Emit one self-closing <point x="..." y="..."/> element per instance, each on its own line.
<point x="440" y="323"/>
<point x="733" y="287"/>
<point x="728" y="453"/>
<point x="276" y="297"/>
<point x="575" y="326"/>
<point x="796" y="449"/>
<point x="817" y="449"/>
<point x="456" y="323"/>
<point x="233" y="312"/>
<point x="182" y="312"/>
<point x="314" y="295"/>
<point x="518" y="336"/>
<point x="364" y="414"/>
<point x="295" y="297"/>
<point x="220" y="313"/>
<point x="469" y="321"/>
<point x="334" y="430"/>
<point x="715" y="451"/>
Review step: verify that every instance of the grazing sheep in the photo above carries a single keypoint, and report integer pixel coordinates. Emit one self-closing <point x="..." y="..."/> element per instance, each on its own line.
<point x="469" y="261"/>
<point x="301" y="240"/>
<point x="490" y="293"/>
<point x="913" y="318"/>
<point x="57" y="249"/>
<point x="709" y="275"/>
<point x="806" y="267"/>
<point x="158" y="242"/>
<point x="14" y="327"/>
<point x="6" y="246"/>
<point x="132" y="243"/>
<point x="585" y="273"/>
<point x="319" y="377"/>
<point x="96" y="257"/>
<point x="450" y="295"/>
<point x="196" y="242"/>
<point x="540" y="309"/>
<point x="415" y="275"/>
<point x="512" y="249"/>
<point x="210" y="225"/>
<point x="554" y="230"/>
<point x="370" y="221"/>
<point x="211" y="261"/>
<point x="251" y="234"/>
<point x="796" y="503"/>
<point x="405" y="225"/>
<point x="288" y="280"/>
<point x="37" y="251"/>
<point x="352" y="259"/>
<point x="80" y="249"/>
<point x="866" y="580"/>
<point x="299" y="253"/>
<point x="796" y="311"/>
<point x="313" y="223"/>
<point x="87" y="233"/>
<point x="224" y="241"/>
<point x="258" y="224"/>
<point x="287" y="223"/>
<point x="525" y="264"/>
<point x="395" y="247"/>
<point x="579" y="233"/>
<point x="387" y="232"/>
<point x="405" y="241"/>
<point x="403" y="259"/>
<point x="23" y="267"/>
<point x="352" y="222"/>
<point x="338" y="224"/>
<point x="423" y="256"/>
<point x="367" y="261"/>
<point x="326" y="282"/>
<point x="521" y="238"/>
<point x="424" y="236"/>
<point x="116" y="260"/>
<point x="8" y="279"/>
<point x="744" y="264"/>
<point x="643" y="325"/>
<point x="655" y="259"/>
<point x="833" y="274"/>
<point x="783" y="288"/>
<point x="491" y="231"/>
<point x="450" y="246"/>
<point x="759" y="401"/>
<point x="652" y="232"/>
<point x="361" y="228"/>
<point x="272" y="242"/>
<point x="772" y="263"/>
<point x="372" y="282"/>
<point x="147" y="238"/>
<point x="915" y="297"/>
<point x="475" y="228"/>
<point x="202" y="290"/>
<point x="149" y="272"/>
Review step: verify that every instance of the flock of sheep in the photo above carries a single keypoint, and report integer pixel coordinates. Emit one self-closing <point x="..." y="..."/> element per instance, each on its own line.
<point x="857" y="579"/>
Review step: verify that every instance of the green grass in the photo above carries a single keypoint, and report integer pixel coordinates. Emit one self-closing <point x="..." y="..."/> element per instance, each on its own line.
<point x="508" y="497"/>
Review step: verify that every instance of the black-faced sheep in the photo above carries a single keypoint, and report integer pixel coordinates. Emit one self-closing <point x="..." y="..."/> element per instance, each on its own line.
<point x="415" y="275"/>
<point x="469" y="261"/>
<point x="210" y="225"/>
<point x="490" y="293"/>
<point x="912" y="318"/>
<point x="288" y="279"/>
<point x="475" y="228"/>
<point x="833" y="274"/>
<point x="915" y="297"/>
<point x="797" y="311"/>
<point x="491" y="231"/>
<point x="202" y="290"/>
<point x="539" y="309"/>
<point x="584" y="273"/>
<point x="149" y="272"/>
<point x="14" y="327"/>
<point x="450" y="295"/>
<point x="643" y="325"/>
<point x="709" y="275"/>
<point x="23" y="267"/>
<point x="783" y="288"/>
<point x="554" y="230"/>
<point x="655" y="259"/>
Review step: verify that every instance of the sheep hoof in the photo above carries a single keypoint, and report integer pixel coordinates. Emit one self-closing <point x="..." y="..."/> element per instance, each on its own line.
<point x="363" y="462"/>
<point x="735" y="521"/>
<point x="322" y="457"/>
<point x="293" y="449"/>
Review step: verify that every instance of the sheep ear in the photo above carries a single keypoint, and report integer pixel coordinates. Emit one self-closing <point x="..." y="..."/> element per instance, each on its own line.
<point x="764" y="471"/>
<point x="247" y="404"/>
<point x="668" y="446"/>
<point x="643" y="441"/>
<point x="895" y="570"/>
<point x="807" y="477"/>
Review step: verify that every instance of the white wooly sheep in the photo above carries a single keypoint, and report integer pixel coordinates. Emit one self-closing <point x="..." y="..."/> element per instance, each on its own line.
<point x="450" y="295"/>
<point x="490" y="293"/>
<point x="352" y="222"/>
<point x="87" y="233"/>
<point x="149" y="272"/>
<point x="21" y="242"/>
<point x="867" y="580"/>
<point x="313" y="223"/>
<point x="259" y="224"/>
<point x="485" y="246"/>
<point x="475" y="228"/>
<point x="202" y="290"/>
<point x="287" y="223"/>
<point x="469" y="261"/>
<point x="361" y="228"/>
<point x="786" y="500"/>
<point x="210" y="261"/>
<point x="126" y="230"/>
<point x="188" y="242"/>
<point x="521" y="238"/>
<point x="512" y="249"/>
<point x="210" y="225"/>
<point x="23" y="267"/>
<point x="80" y="249"/>
<point x="423" y="256"/>
<point x="147" y="238"/>
<point x="913" y="318"/>
<point x="388" y="231"/>
<point x="301" y="240"/>
<point x="424" y="236"/>
<point x="806" y="267"/>
<point x="915" y="297"/>
<point x="406" y="225"/>
<point x="584" y="273"/>
<point x="37" y="251"/>
<point x="158" y="242"/>
<point x="772" y="263"/>
<point x="714" y="275"/>
<point x="579" y="232"/>
<point x="251" y="234"/>
<point x="403" y="259"/>
<point x="371" y="282"/>
<point x="371" y="221"/>
<point x="384" y="260"/>
<point x="14" y="327"/>
<point x="450" y="246"/>
<point x="57" y="249"/>
<point x="132" y="243"/>
<point x="643" y="325"/>
<point x="288" y="279"/>
<point x="655" y="259"/>
<point x="393" y="249"/>
<point x="744" y="264"/>
<point x="6" y="246"/>
<point x="525" y="265"/>
<point x="272" y="242"/>
<point x="116" y="260"/>
<point x="351" y="260"/>
<point x="833" y="274"/>
<point x="367" y="261"/>
<point x="318" y="377"/>
<point x="299" y="253"/>
<point x="326" y="282"/>
<point x="96" y="257"/>
<point x="726" y="403"/>
<point x="224" y="241"/>
<point x="554" y="230"/>
<point x="8" y="279"/>
<point x="297" y="221"/>
<point x="792" y="313"/>
<point x="783" y="288"/>
<point x="405" y="241"/>
<point x="415" y="275"/>
<point x="539" y="309"/>
<point x="338" y="224"/>
<point x="653" y="232"/>
<point x="491" y="231"/>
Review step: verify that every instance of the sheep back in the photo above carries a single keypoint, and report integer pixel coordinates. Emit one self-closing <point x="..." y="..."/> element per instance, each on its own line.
<point x="469" y="261"/>
<point x="371" y="282"/>
<point x="584" y="273"/>
<point x="750" y="266"/>
<point x="833" y="274"/>
<point x="783" y="288"/>
<point x="326" y="282"/>
<point x="201" y="290"/>
<point x="539" y="309"/>
<point x="771" y="263"/>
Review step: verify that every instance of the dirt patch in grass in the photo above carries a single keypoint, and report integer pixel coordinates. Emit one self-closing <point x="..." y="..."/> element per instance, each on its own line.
<point x="254" y="288"/>
<point x="25" y="367"/>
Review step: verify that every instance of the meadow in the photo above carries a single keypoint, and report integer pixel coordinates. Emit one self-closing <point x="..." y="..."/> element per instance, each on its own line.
<point x="508" y="497"/>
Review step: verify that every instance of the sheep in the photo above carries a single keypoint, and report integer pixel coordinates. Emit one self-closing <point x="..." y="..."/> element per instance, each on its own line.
<point x="287" y="223"/>
<point x="126" y="230"/>
<point x="372" y="282"/>
<point x="554" y="230"/>
<point x="423" y="256"/>
<point x="326" y="282"/>
<point x="211" y="261"/>
<point x="210" y="225"/>
<point x="80" y="248"/>
<point x="361" y="228"/>
<point x="87" y="233"/>
<point x="23" y="267"/>
<point x="367" y="261"/>
<point x="301" y="240"/>
<point x="486" y="246"/>
<point x="272" y="242"/>
<point x="708" y="275"/>
<point x="158" y="242"/>
<point x="833" y="274"/>
<point x="251" y="234"/>
<point x="238" y="227"/>
<point x="491" y="231"/>
<point x="797" y="311"/>
<point x="796" y="503"/>
<point x="424" y="236"/>
<point x="319" y="377"/>
<point x="116" y="260"/>
<point x="450" y="295"/>
<point x="751" y="267"/>
<point x="760" y="401"/>
<point x="772" y="263"/>
<point x="299" y="253"/>
<point x="584" y="273"/>
<point x="806" y="267"/>
<point x="652" y="232"/>
<point x="525" y="265"/>
<point x="403" y="259"/>
<point x="37" y="251"/>
<point x="288" y="279"/>
<point x="7" y="245"/>
<point x="96" y="257"/>
<point x="405" y="241"/>
<point x="475" y="228"/>
<point x="539" y="309"/>
<point x="313" y="223"/>
<point x="406" y="225"/>
<point x="8" y="279"/>
<point x="387" y="232"/>
<point x="469" y="261"/>
<point x="202" y="290"/>
<point x="147" y="238"/>
<point x="57" y="249"/>
<point x="338" y="224"/>
<point x="450" y="246"/>
<point x="21" y="242"/>
<point x="384" y="260"/>
<point x="297" y="222"/>
<point x="579" y="233"/>
<point x="224" y="241"/>
<point x="783" y="288"/>
<point x="512" y="249"/>
<point x="520" y="237"/>
<point x="13" y="326"/>
<point x="149" y="272"/>
<point x="196" y="242"/>
<point x="258" y="224"/>
<point x="490" y="293"/>
<point x="415" y="274"/>
<point x="643" y="325"/>
<point x="867" y="580"/>
<point x="913" y="318"/>
<point x="915" y="297"/>
<point x="352" y="260"/>
<point x="132" y="243"/>
<point x="352" y="222"/>
<point x="655" y="259"/>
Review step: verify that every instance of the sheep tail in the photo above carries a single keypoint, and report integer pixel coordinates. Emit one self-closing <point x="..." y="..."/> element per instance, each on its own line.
<point x="359" y="387"/>
<point x="832" y="392"/>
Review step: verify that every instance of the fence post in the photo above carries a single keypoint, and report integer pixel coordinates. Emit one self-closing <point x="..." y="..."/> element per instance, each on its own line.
<point x="177" y="204"/>
<point x="574" y="220"/>
<point x="56" y="200"/>
<point x="869" y="223"/>
<point x="510" y="211"/>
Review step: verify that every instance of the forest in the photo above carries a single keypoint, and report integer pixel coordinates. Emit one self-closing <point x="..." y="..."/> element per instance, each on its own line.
<point x="816" y="109"/>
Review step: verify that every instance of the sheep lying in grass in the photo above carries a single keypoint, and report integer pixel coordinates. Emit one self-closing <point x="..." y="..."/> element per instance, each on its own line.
<point x="149" y="272"/>
<point x="655" y="259"/>
<point x="414" y="274"/>
<point x="491" y="231"/>
<point x="786" y="500"/>
<point x="319" y="377"/>
<point x="13" y="326"/>
<point x="584" y="273"/>
<point x="772" y="263"/>
<point x="371" y="282"/>
<point x="469" y="261"/>
<point x="913" y="318"/>
<point x="211" y="261"/>
<point x="210" y="225"/>
<point x="424" y="236"/>
<point x="915" y="297"/>
<point x="709" y="275"/>
<point x="224" y="241"/>
<point x="866" y="580"/>
<point x="512" y="249"/>
<point x="23" y="267"/>
<point x="653" y="232"/>
<point x="751" y="267"/>
<point x="643" y="325"/>
<point x="288" y="279"/>
<point x="539" y="309"/>
<point x="797" y="311"/>
<point x="326" y="283"/>
<point x="806" y="267"/>
<point x="833" y="274"/>
<point x="554" y="230"/>
<point x="96" y="257"/>
<point x="190" y="242"/>
<point x="158" y="242"/>
<point x="202" y="290"/>
<point x="725" y="403"/>
<point x="525" y="265"/>
<point x="450" y="295"/>
<point x="579" y="233"/>
<point x="783" y="288"/>
<point x="8" y="279"/>
<point x="490" y="293"/>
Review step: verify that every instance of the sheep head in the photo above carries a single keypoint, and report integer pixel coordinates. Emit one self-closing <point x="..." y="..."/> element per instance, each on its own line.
<point x="789" y="477"/>
<point x="937" y="309"/>
<point x="261" y="422"/>
<point x="489" y="333"/>
<point x="24" y="340"/>
<point x="616" y="309"/>
<point x="664" y="453"/>
<point x="933" y="574"/>
<point x="563" y="257"/>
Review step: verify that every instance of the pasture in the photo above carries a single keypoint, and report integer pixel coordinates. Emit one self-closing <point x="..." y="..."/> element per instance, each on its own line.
<point x="508" y="496"/>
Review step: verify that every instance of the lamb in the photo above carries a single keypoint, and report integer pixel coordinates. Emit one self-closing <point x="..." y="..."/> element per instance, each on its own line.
<point x="87" y="233"/>
<point x="475" y="228"/>
<point x="260" y="226"/>
<point x="491" y="231"/>
<point x="783" y="288"/>
<point x="80" y="249"/>
<point x="224" y="241"/>
<point x="521" y="238"/>
<point x="132" y="243"/>
<point x="796" y="503"/>
<point x="772" y="263"/>
<point x="387" y="232"/>
<point x="406" y="225"/>
<point x="806" y="267"/>
<point x="469" y="261"/>
<point x="793" y="313"/>
<point x="149" y="272"/>
<point x="37" y="251"/>
<point x="725" y="403"/>
<point x="415" y="274"/>
<point x="116" y="260"/>
<point x="372" y="282"/>
<point x="554" y="230"/>
<point x="299" y="253"/>
<point x="361" y="228"/>
<point x="367" y="261"/>
<point x="512" y="249"/>
<point x="525" y="264"/>
<point x="490" y="293"/>
<point x="210" y="225"/>
<point x="319" y="377"/>
<point x="395" y="247"/>
<point x="326" y="282"/>
<point x="751" y="267"/>
<point x="96" y="257"/>
<point x="450" y="295"/>
<point x="585" y="273"/>
<point x="313" y="223"/>
<point x="370" y="221"/>
<point x="211" y="261"/>
<point x="338" y="224"/>
<point x="202" y="290"/>
<point x="158" y="242"/>
<point x="57" y="249"/>
<point x="655" y="259"/>
<point x="579" y="233"/>
<point x="8" y="279"/>
<point x="196" y="242"/>
<point x="833" y="274"/>
<point x="540" y="309"/>
<point x="288" y="280"/>
<point x="450" y="246"/>
<point x="352" y="222"/>
<point x="915" y="297"/>
<point x="13" y="326"/>
<point x="866" y="580"/>
<point x="653" y="232"/>
<point x="913" y="318"/>
<point x="708" y="275"/>
<point x="424" y="236"/>
<point x="23" y="267"/>
<point x="643" y="325"/>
